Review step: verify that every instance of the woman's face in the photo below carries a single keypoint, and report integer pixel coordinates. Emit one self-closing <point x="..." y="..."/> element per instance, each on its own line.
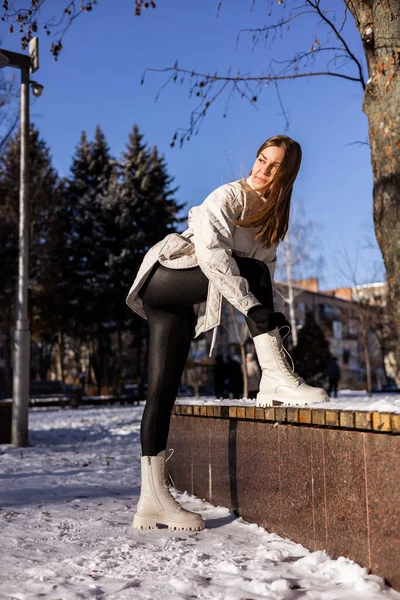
<point x="266" y="165"/>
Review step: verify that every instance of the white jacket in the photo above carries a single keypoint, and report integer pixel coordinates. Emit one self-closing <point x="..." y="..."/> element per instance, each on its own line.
<point x="212" y="242"/>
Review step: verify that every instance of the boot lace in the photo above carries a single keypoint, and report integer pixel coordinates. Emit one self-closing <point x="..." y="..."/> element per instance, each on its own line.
<point x="168" y="477"/>
<point x="284" y="357"/>
<point x="168" y="481"/>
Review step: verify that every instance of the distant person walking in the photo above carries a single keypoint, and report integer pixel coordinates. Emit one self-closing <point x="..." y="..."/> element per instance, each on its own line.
<point x="253" y="375"/>
<point x="333" y="372"/>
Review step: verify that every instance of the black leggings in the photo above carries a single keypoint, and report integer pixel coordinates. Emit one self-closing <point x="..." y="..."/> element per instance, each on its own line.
<point x="168" y="297"/>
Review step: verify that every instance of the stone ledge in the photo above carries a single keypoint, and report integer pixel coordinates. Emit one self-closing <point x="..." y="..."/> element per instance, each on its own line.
<point x="378" y="422"/>
<point x="327" y="479"/>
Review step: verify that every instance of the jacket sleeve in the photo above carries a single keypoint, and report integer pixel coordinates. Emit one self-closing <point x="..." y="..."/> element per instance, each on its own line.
<point x="212" y="238"/>
<point x="279" y="302"/>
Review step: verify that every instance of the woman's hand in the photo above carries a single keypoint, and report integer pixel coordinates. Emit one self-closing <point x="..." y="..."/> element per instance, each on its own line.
<point x="266" y="320"/>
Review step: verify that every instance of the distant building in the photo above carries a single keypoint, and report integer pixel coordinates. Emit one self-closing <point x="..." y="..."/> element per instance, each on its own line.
<point x="335" y="317"/>
<point x="335" y="311"/>
<point x="375" y="293"/>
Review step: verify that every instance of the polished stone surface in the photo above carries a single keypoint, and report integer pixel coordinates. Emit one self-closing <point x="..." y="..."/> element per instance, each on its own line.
<point x="333" y="488"/>
<point x="296" y="501"/>
<point x="219" y="480"/>
<point x="318" y="489"/>
<point x="257" y="473"/>
<point x="346" y="512"/>
<point x="382" y="456"/>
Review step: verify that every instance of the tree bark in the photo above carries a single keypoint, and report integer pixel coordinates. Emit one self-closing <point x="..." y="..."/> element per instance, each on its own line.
<point x="292" y="315"/>
<point x="367" y="359"/>
<point x="379" y="24"/>
<point x="244" y="369"/>
<point x="60" y="356"/>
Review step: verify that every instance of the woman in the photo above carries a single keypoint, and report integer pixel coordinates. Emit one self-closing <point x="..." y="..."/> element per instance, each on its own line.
<point x="228" y="250"/>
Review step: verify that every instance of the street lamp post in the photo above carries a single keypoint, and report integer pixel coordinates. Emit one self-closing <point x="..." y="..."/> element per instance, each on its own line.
<point x="21" y="372"/>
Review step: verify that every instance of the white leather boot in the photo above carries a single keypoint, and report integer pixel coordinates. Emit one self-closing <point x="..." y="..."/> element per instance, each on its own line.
<point x="156" y="504"/>
<point x="279" y="383"/>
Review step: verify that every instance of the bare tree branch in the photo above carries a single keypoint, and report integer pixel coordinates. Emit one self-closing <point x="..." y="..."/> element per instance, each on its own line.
<point x="206" y="86"/>
<point x="9" y="115"/>
<point x="256" y="79"/>
<point x="202" y="83"/>
<point x="9" y="132"/>
<point x="27" y="18"/>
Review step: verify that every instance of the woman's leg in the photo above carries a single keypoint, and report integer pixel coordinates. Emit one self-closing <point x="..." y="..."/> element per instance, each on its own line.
<point x="257" y="274"/>
<point x="168" y="298"/>
<point x="171" y="334"/>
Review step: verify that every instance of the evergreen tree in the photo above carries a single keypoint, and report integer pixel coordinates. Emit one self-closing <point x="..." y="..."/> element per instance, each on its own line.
<point x="311" y="355"/>
<point x="141" y="210"/>
<point x="86" y="253"/>
<point x="148" y="211"/>
<point x="86" y="261"/>
<point x="43" y="194"/>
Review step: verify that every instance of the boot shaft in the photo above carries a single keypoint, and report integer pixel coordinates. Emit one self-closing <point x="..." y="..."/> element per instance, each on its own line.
<point x="152" y="475"/>
<point x="279" y="383"/>
<point x="156" y="504"/>
<point x="273" y="361"/>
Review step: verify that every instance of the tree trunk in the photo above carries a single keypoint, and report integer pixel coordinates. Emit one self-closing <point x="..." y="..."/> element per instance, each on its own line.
<point x="289" y="278"/>
<point x="117" y="372"/>
<point x="45" y="361"/>
<point x="244" y="369"/>
<point x="367" y="360"/>
<point x="379" y="24"/>
<point x="8" y="361"/>
<point x="60" y="356"/>
<point x="92" y="370"/>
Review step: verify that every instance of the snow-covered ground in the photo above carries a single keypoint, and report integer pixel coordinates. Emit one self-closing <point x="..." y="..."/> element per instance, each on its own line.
<point x="67" y="504"/>
<point x="346" y="400"/>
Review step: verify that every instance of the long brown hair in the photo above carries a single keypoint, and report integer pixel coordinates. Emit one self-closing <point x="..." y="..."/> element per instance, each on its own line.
<point x="272" y="220"/>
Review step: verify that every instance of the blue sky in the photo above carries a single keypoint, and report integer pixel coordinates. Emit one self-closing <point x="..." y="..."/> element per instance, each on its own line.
<point x="97" y="81"/>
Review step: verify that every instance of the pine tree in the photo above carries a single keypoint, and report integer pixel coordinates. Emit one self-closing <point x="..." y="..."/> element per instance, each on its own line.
<point x="43" y="194"/>
<point x="148" y="211"/>
<point x="86" y="266"/>
<point x="87" y="256"/>
<point x="141" y="210"/>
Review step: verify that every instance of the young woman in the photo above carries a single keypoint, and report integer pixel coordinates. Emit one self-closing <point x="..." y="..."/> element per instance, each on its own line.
<point x="229" y="250"/>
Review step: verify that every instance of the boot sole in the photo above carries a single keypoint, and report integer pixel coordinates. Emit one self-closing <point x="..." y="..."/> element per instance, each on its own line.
<point x="150" y="522"/>
<point x="271" y="400"/>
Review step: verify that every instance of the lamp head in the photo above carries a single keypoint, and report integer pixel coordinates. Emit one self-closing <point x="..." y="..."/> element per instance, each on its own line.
<point x="37" y="89"/>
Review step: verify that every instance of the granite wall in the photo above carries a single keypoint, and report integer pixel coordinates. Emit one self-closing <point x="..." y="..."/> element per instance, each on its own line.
<point x="327" y="479"/>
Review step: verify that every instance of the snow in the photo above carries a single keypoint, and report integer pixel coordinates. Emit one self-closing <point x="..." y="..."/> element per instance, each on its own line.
<point x="67" y="505"/>
<point x="346" y="400"/>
